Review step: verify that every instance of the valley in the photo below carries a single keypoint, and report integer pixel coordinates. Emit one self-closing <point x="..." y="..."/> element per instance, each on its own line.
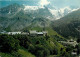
<point x="39" y="31"/>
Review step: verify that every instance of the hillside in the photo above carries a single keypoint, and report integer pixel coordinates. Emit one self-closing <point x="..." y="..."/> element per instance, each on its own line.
<point x="28" y="46"/>
<point x="69" y="25"/>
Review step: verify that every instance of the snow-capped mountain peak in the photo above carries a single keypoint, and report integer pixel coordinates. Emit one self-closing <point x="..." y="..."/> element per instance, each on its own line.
<point x="50" y="12"/>
<point x="32" y="7"/>
<point x="75" y="9"/>
<point x="65" y="9"/>
<point x="58" y="13"/>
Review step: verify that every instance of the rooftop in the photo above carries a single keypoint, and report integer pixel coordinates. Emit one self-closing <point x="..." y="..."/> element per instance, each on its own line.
<point x="40" y="33"/>
<point x="34" y="31"/>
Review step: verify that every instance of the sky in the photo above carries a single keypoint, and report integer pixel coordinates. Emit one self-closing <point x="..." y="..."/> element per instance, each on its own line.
<point x="56" y="3"/>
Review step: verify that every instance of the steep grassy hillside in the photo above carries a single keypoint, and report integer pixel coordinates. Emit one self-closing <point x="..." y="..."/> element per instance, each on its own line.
<point x="24" y="52"/>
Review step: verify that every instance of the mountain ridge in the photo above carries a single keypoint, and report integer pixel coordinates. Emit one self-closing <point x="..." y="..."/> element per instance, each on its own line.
<point x="69" y="25"/>
<point x="14" y="17"/>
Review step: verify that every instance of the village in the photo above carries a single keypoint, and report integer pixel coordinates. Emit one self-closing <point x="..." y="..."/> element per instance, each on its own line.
<point x="70" y="42"/>
<point x="31" y="33"/>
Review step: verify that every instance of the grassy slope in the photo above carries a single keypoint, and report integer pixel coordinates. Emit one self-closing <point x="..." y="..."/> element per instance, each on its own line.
<point x="25" y="53"/>
<point x="52" y="32"/>
<point x="52" y="56"/>
<point x="49" y="29"/>
<point x="21" y="51"/>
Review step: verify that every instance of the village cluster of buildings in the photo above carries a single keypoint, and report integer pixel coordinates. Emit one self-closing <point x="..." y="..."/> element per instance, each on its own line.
<point x="31" y="33"/>
<point x="69" y="42"/>
<point x="72" y="43"/>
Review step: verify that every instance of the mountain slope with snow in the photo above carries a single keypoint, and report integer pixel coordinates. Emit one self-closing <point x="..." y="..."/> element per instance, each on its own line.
<point x="17" y="17"/>
<point x="56" y="13"/>
<point x="50" y="12"/>
<point x="68" y="25"/>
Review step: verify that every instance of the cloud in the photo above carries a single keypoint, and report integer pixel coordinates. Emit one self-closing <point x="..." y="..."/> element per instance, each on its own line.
<point x="44" y="2"/>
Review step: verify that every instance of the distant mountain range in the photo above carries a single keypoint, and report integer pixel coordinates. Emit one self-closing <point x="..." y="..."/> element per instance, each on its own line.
<point x="48" y="12"/>
<point x="56" y="13"/>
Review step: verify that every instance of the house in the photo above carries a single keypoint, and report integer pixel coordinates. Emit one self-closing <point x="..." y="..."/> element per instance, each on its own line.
<point x="24" y="33"/>
<point x="4" y="32"/>
<point x="74" y="53"/>
<point x="40" y="33"/>
<point x="13" y="33"/>
<point x="45" y="33"/>
<point x="33" y="33"/>
<point x="69" y="42"/>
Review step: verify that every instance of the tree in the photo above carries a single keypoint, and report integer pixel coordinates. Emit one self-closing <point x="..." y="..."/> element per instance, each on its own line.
<point x="23" y="40"/>
<point x="41" y="51"/>
<point x="8" y="43"/>
<point x="78" y="49"/>
<point x="78" y="40"/>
